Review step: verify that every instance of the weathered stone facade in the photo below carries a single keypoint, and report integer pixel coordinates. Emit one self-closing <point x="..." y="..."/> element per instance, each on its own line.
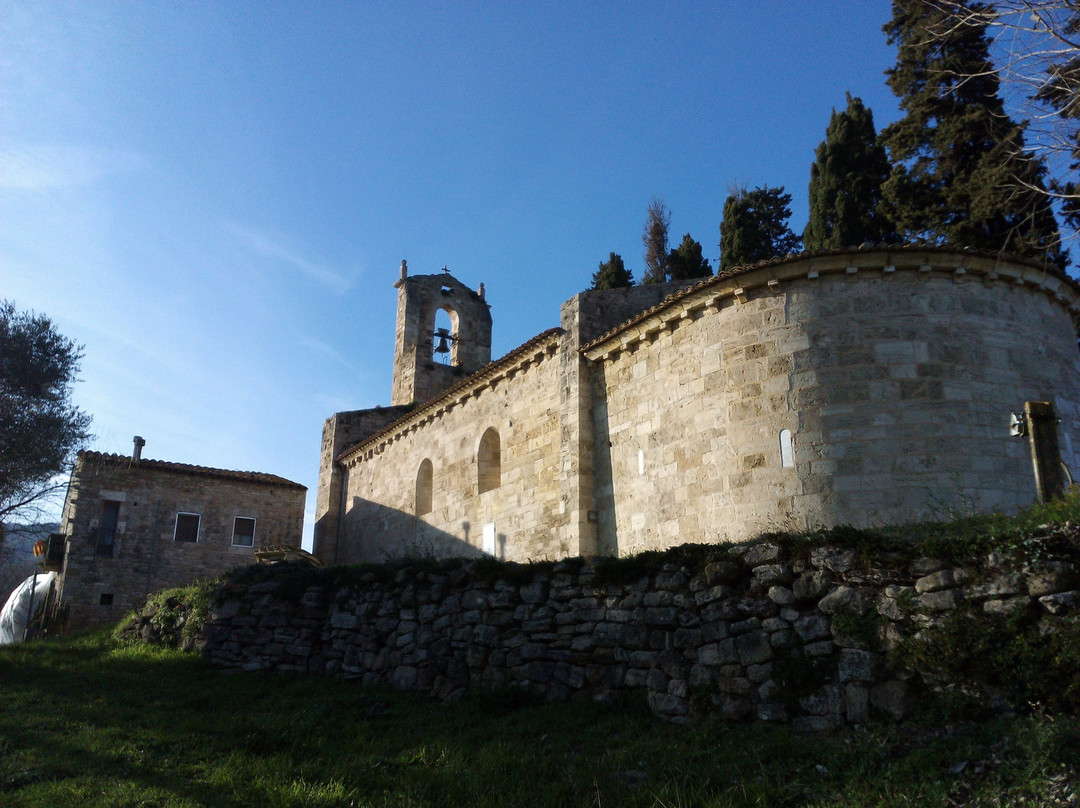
<point x="123" y="537"/>
<point x="858" y="386"/>
<point x="814" y="638"/>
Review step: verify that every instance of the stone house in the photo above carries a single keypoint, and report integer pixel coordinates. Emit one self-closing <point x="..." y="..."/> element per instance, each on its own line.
<point x="859" y="386"/>
<point x="133" y="526"/>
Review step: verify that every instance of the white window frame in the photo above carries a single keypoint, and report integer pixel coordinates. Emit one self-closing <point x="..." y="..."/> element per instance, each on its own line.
<point x="198" y="526"/>
<point x="253" y="526"/>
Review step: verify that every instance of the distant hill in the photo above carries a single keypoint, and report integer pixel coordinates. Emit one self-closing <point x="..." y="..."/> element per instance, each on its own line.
<point x="17" y="560"/>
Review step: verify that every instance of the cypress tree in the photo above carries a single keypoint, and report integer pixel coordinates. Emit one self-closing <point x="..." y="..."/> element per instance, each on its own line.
<point x="655" y="238"/>
<point x="686" y="262"/>
<point x="612" y="274"/>
<point x="960" y="174"/>
<point x="755" y="227"/>
<point x="845" y="183"/>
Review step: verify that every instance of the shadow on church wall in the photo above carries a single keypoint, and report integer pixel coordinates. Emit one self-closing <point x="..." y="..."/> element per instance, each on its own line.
<point x="374" y="532"/>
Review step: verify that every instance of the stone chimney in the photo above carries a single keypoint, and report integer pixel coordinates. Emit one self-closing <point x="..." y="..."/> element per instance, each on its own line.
<point x="136" y="453"/>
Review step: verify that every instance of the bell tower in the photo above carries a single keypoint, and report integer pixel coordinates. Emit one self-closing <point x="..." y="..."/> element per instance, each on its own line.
<point x="429" y="358"/>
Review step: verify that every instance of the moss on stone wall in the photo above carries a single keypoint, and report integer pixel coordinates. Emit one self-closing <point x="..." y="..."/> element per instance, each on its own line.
<point x="820" y="629"/>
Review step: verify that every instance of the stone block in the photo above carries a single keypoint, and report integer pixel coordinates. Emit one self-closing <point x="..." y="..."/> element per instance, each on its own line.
<point x="723" y="573"/>
<point x="942" y="579"/>
<point x="1007" y="605"/>
<point x="761" y="553"/>
<point x="1060" y="602"/>
<point x="934" y="602"/>
<point x="856" y="665"/>
<point x="813" y="627"/>
<point x="781" y="595"/>
<point x="845" y="600"/>
<point x="753" y="648"/>
<point x="812" y="585"/>
<point x="832" y="558"/>
<point x="1051" y="577"/>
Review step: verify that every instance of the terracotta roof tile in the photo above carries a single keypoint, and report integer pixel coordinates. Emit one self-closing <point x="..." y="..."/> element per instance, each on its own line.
<point x="184" y="468"/>
<point x="485" y="372"/>
<point x="783" y="259"/>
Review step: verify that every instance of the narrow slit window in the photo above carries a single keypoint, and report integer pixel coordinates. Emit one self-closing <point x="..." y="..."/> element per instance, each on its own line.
<point x="106" y="537"/>
<point x="243" y="533"/>
<point x="424" y="479"/>
<point x="187" y="527"/>
<point x="787" y="453"/>
<point x="488" y="462"/>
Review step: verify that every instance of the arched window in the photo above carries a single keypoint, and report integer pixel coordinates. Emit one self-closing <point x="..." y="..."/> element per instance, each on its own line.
<point x="444" y="343"/>
<point x="488" y="462"/>
<point x="423" y="488"/>
<point x="787" y="455"/>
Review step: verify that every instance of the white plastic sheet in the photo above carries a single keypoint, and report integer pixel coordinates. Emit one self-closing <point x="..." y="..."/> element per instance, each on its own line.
<point x="26" y="599"/>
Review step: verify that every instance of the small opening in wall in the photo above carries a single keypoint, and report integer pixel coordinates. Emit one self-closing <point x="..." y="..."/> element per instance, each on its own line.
<point x="424" y="478"/>
<point x="488" y="462"/>
<point x="106" y="599"/>
<point x="787" y="454"/>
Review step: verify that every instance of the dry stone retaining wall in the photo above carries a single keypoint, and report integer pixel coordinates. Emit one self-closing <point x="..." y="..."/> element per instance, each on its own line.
<point x="749" y="636"/>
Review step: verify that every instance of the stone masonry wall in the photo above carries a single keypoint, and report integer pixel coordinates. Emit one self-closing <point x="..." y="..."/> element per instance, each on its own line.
<point x="340" y="431"/>
<point x="145" y="557"/>
<point x="379" y="513"/>
<point x="750" y="635"/>
<point x="894" y="383"/>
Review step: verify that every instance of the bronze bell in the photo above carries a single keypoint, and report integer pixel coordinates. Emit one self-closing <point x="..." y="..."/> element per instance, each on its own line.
<point x="444" y="345"/>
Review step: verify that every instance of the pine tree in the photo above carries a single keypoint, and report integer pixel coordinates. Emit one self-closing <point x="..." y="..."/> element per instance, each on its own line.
<point x="845" y="183"/>
<point x="755" y="227"/>
<point x="960" y="174"/>
<point x="612" y="274"/>
<point x="655" y="238"/>
<point x="686" y="262"/>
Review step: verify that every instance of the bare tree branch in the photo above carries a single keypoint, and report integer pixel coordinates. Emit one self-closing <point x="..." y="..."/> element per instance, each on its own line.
<point x="1037" y="49"/>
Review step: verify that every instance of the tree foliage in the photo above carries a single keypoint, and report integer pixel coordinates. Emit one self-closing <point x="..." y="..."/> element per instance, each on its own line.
<point x="1040" y="45"/>
<point x="755" y="227"/>
<point x="686" y="261"/>
<point x="849" y="169"/>
<point x="1060" y="91"/>
<point x="612" y="274"/>
<point x="655" y="238"/>
<point x="40" y="429"/>
<point x="960" y="171"/>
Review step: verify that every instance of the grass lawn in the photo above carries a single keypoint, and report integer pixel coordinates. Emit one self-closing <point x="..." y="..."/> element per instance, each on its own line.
<point x="89" y="722"/>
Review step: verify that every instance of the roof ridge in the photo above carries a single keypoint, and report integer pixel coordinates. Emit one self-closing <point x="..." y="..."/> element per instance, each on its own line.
<point x="449" y="392"/>
<point x="866" y="247"/>
<point x="189" y="468"/>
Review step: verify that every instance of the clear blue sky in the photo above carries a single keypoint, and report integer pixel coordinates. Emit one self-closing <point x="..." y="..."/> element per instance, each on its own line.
<point x="214" y="198"/>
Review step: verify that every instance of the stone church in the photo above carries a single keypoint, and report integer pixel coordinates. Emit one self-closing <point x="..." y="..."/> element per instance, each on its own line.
<point x="862" y="386"/>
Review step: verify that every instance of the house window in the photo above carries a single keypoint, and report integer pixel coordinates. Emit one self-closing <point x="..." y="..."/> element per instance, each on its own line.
<point x="106" y="536"/>
<point x="187" y="527"/>
<point x="243" y="531"/>
<point x="423" y="488"/>
<point x="488" y="462"/>
<point x="106" y="599"/>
